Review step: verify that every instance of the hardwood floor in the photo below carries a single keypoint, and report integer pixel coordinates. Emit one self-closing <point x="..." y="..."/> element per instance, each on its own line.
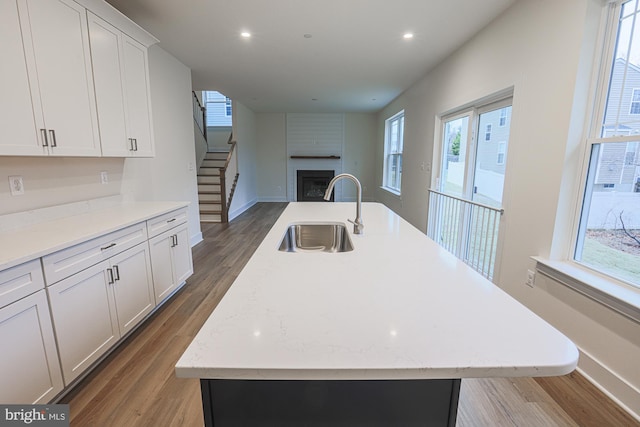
<point x="136" y="385"/>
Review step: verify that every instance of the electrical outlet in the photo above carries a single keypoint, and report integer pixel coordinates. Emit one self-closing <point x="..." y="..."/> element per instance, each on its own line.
<point x="531" y="278"/>
<point x="16" y="185"/>
<point x="104" y="177"/>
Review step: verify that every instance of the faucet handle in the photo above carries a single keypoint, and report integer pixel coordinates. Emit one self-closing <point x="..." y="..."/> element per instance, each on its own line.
<point x="357" y="226"/>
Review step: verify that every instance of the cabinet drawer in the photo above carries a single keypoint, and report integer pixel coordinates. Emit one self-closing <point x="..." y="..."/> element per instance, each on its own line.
<point x="167" y="221"/>
<point x="19" y="281"/>
<point x="69" y="261"/>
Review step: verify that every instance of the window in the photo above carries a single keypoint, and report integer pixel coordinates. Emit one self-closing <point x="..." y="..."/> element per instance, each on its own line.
<point x="466" y="205"/>
<point x="393" y="141"/>
<point x="503" y="117"/>
<point x="635" y="102"/>
<point x="218" y="109"/>
<point x="502" y="150"/>
<point x="608" y="231"/>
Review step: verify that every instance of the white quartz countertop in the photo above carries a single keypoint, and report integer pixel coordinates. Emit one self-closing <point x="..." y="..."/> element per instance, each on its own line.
<point x="397" y="307"/>
<point x="45" y="237"/>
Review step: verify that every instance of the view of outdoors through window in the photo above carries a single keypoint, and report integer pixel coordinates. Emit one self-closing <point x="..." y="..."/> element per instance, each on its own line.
<point x="465" y="217"/>
<point x="219" y="108"/>
<point x="394" y="129"/>
<point x="609" y="233"/>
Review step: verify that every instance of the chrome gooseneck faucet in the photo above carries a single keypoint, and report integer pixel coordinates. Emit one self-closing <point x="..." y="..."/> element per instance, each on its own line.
<point x="358" y="225"/>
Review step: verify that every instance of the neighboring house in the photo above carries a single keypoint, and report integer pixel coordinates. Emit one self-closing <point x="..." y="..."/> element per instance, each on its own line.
<point x="218" y="109"/>
<point x="619" y="168"/>
<point x="493" y="136"/>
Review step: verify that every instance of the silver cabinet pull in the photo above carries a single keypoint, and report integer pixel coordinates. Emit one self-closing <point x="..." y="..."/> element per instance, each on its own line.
<point x="135" y="142"/>
<point x="171" y="220"/>
<point x="110" y="274"/>
<point x="53" y="138"/>
<point x="116" y="273"/>
<point x="130" y="144"/>
<point x="45" y="141"/>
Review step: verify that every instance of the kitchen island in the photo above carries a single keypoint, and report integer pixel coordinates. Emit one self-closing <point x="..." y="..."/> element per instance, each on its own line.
<point x="380" y="335"/>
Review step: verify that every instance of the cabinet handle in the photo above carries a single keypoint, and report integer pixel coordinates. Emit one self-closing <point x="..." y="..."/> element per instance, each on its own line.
<point x="116" y="273"/>
<point x="130" y="143"/>
<point x="176" y="237"/>
<point x="110" y="274"/>
<point x="174" y="240"/>
<point x="171" y="220"/>
<point x="107" y="247"/>
<point x="135" y="142"/>
<point x="53" y="138"/>
<point x="45" y="141"/>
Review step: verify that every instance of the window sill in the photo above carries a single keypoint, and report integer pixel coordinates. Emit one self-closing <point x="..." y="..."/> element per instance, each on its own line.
<point x="621" y="297"/>
<point x="392" y="191"/>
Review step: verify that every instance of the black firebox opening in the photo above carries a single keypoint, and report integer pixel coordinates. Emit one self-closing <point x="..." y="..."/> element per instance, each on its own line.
<point x="312" y="184"/>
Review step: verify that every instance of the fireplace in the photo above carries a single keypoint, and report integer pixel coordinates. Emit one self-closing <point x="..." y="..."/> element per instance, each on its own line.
<point x="312" y="184"/>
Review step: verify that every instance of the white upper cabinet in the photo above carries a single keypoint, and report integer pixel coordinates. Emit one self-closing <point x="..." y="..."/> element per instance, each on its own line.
<point x="56" y="42"/>
<point x="120" y="68"/>
<point x="16" y="111"/>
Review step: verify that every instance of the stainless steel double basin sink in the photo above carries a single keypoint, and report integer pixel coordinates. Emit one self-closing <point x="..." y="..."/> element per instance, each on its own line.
<point x="329" y="237"/>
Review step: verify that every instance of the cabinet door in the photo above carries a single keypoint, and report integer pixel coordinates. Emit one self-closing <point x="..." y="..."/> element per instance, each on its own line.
<point x="182" y="263"/>
<point x="107" y="75"/>
<point x="17" y="121"/>
<point x="29" y="365"/>
<point x="59" y="50"/>
<point x="133" y="288"/>
<point x="84" y="313"/>
<point x="162" y="266"/>
<point x="136" y="83"/>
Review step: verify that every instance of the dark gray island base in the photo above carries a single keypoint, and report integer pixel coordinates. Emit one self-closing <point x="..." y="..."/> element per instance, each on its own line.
<point x="330" y="402"/>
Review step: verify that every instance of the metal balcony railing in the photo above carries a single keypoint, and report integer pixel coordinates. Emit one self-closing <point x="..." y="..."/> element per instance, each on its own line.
<point x="467" y="229"/>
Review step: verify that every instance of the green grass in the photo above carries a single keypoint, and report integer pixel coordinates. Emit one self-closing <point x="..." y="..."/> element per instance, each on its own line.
<point x="611" y="261"/>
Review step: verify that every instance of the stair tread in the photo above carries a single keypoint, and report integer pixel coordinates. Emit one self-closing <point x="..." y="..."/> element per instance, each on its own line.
<point x="209" y="192"/>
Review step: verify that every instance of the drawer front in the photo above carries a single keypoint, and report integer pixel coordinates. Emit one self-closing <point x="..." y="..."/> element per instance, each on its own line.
<point x="19" y="281"/>
<point x="69" y="261"/>
<point x="166" y="222"/>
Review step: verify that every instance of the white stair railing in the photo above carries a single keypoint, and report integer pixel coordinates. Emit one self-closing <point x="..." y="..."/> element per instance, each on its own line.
<point x="467" y="229"/>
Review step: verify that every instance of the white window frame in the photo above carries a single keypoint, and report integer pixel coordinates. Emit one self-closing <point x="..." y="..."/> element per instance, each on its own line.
<point x="633" y="95"/>
<point x="386" y="179"/>
<point x="593" y="131"/>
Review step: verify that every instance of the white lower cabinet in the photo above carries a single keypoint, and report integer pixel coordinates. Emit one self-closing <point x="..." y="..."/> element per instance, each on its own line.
<point x="171" y="260"/>
<point x="29" y="365"/>
<point x="92" y="309"/>
<point x="132" y="286"/>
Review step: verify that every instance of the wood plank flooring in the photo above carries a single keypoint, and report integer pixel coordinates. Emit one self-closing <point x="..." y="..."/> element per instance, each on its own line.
<point x="136" y="385"/>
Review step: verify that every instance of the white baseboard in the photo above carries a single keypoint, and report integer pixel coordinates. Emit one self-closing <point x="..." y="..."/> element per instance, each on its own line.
<point x="195" y="239"/>
<point x="618" y="389"/>
<point x="237" y="211"/>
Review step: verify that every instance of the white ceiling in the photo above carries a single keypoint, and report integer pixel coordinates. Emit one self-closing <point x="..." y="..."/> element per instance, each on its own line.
<point x="355" y="60"/>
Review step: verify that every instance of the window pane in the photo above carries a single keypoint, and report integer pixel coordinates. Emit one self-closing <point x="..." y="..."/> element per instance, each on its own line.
<point x="454" y="156"/>
<point x="609" y="235"/>
<point x="622" y="111"/>
<point x="394" y="133"/>
<point x="491" y="157"/>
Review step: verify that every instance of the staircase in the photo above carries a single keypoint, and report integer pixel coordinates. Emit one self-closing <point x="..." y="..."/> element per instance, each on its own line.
<point x="209" y="188"/>
<point x="217" y="179"/>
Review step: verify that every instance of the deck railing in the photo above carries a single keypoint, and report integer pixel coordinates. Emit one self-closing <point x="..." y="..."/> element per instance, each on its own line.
<point x="467" y="229"/>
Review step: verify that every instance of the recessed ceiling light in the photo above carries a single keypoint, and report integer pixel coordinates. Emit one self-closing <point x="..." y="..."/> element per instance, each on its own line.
<point x="307" y="36"/>
<point x="408" y="36"/>
<point x="245" y="34"/>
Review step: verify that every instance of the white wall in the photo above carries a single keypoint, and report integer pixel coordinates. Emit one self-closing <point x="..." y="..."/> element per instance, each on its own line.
<point x="244" y="131"/>
<point x="171" y="174"/>
<point x="544" y="50"/>
<point x="271" y="149"/>
<point x="359" y="155"/>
